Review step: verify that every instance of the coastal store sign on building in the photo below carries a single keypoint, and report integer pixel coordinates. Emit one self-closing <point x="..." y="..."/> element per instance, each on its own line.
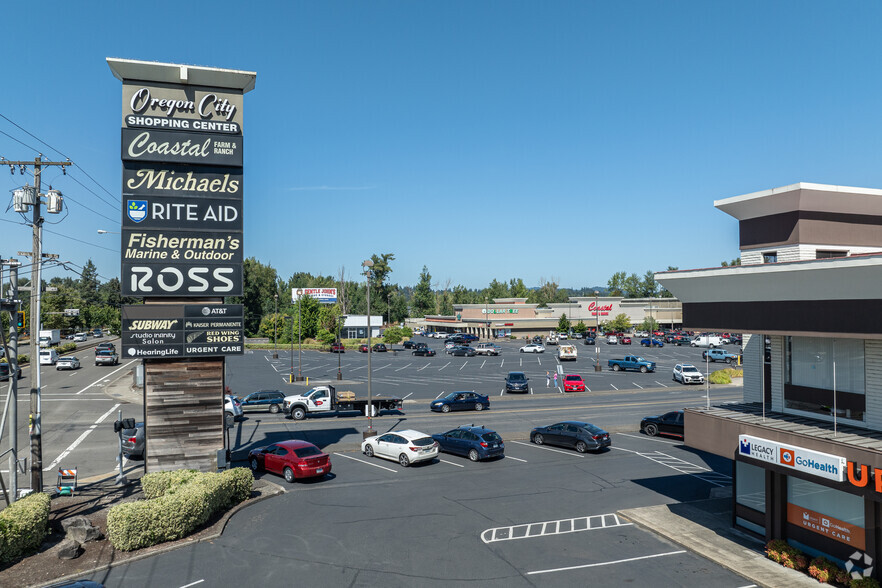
<point x="803" y="460"/>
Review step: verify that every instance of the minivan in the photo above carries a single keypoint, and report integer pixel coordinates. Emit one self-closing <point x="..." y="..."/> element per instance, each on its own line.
<point x="707" y="341"/>
<point x="48" y="356"/>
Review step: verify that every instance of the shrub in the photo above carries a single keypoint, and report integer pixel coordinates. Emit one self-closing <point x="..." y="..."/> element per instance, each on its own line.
<point x="788" y="556"/>
<point x="823" y="570"/>
<point x="23" y="525"/>
<point x="719" y="377"/>
<point x="178" y="503"/>
<point x="863" y="583"/>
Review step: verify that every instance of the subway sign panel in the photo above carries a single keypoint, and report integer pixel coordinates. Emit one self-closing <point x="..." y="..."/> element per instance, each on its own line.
<point x="807" y="461"/>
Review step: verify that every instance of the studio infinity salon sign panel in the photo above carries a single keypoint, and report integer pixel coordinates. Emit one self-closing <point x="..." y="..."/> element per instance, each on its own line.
<point x="176" y="330"/>
<point x="801" y="459"/>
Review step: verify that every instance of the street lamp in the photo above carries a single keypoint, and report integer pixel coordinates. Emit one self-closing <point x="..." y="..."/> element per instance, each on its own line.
<point x="299" y="333"/>
<point x="339" y="373"/>
<point x="597" y="367"/>
<point x="367" y="264"/>
<point x="275" y="320"/>
<point x="389" y="307"/>
<point x="103" y="232"/>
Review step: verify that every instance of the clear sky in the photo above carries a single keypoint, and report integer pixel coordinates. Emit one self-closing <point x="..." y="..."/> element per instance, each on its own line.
<point x="556" y="140"/>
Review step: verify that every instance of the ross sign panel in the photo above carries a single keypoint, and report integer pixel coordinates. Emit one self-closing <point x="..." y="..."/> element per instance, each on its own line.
<point x="182" y="330"/>
<point x="166" y="212"/>
<point x="181" y="279"/>
<point x="186" y="108"/>
<point x="824" y="465"/>
<point x="322" y="295"/>
<point x="151" y="179"/>
<point x="180" y="147"/>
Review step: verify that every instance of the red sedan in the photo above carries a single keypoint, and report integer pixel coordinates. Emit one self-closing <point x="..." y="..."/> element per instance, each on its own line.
<point x="574" y="383"/>
<point x="624" y="340"/>
<point x="293" y="459"/>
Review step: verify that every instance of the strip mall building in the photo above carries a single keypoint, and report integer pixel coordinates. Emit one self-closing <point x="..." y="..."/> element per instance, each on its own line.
<point x="807" y="439"/>
<point x="505" y="317"/>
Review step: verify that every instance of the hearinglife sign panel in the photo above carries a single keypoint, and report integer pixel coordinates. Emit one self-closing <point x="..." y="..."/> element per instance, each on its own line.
<point x="804" y="460"/>
<point x="182" y="330"/>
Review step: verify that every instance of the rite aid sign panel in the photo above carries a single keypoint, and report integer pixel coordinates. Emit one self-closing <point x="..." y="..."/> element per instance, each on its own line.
<point x="176" y="330"/>
<point x="807" y="461"/>
<point x="197" y="214"/>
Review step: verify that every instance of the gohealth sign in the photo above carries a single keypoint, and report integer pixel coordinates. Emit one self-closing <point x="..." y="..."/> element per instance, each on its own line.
<point x="804" y="460"/>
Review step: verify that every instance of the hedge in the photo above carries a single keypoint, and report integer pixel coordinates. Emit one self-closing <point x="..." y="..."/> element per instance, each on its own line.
<point x="177" y="504"/>
<point x="724" y="376"/>
<point x="23" y="525"/>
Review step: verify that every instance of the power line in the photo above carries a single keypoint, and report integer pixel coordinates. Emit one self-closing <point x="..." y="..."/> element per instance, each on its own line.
<point x="101" y="198"/>
<point x="113" y="220"/>
<point x="62" y="235"/>
<point x="20" y="142"/>
<point x="34" y="136"/>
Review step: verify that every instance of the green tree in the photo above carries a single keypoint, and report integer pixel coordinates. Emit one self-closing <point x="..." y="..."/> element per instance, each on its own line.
<point x="517" y="289"/>
<point x="563" y="325"/>
<point x="392" y="335"/>
<point x="632" y="287"/>
<point x="407" y="332"/>
<point x="88" y="284"/>
<point x="648" y="286"/>
<point x="423" y="301"/>
<point x="325" y="337"/>
<point x="260" y="285"/>
<point x="496" y="289"/>
<point x="649" y="324"/>
<point x="616" y="284"/>
<point x="620" y="323"/>
<point x="734" y="262"/>
<point x="445" y="304"/>
<point x="580" y="327"/>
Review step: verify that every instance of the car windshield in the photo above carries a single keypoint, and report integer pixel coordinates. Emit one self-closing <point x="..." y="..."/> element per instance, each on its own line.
<point x="491" y="437"/>
<point x="640" y="359"/>
<point x="575" y="378"/>
<point x="689" y="368"/>
<point x="517" y="377"/>
<point x="307" y="451"/>
<point x="422" y="441"/>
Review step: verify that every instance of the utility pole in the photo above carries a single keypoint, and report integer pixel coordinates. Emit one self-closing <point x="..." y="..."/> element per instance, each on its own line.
<point x="12" y="305"/>
<point x="34" y="428"/>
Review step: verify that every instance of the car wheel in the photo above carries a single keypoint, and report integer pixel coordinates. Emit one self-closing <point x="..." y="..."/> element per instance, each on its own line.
<point x="298" y="414"/>
<point x="479" y="406"/>
<point x="651" y="429"/>
<point x="289" y="475"/>
<point x="729" y="361"/>
<point x="274" y="408"/>
<point x="581" y="447"/>
<point x="522" y="350"/>
<point x="537" y="439"/>
<point x="711" y="345"/>
<point x="254" y="465"/>
<point x="473" y="455"/>
<point x="445" y="408"/>
<point x="616" y="367"/>
<point x="403" y="460"/>
<point x="369" y="450"/>
<point x="643" y="369"/>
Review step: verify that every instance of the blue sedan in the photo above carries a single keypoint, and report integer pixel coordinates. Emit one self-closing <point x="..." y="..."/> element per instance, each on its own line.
<point x="476" y="443"/>
<point x="652" y="342"/>
<point x="460" y="401"/>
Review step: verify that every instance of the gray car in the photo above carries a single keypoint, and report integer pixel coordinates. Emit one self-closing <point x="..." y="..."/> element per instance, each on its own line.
<point x="133" y="442"/>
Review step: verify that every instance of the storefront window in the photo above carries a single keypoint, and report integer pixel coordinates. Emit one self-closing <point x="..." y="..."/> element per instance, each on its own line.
<point x="827" y="512"/>
<point x="750" y="486"/>
<point x="817" y="366"/>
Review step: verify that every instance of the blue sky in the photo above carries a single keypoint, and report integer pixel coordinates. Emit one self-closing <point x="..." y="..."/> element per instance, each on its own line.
<point x="553" y="140"/>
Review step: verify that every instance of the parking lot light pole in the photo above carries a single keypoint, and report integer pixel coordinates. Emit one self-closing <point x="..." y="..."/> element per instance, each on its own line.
<point x="299" y="342"/>
<point x="367" y="265"/>
<point x="291" y="377"/>
<point x="275" y="320"/>
<point x="597" y="367"/>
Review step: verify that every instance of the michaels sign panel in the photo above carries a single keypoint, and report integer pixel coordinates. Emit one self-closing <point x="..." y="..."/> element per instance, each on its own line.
<point x="804" y="460"/>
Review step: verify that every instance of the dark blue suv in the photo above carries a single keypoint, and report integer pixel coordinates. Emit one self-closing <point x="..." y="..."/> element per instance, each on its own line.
<point x="476" y="443"/>
<point x="271" y="400"/>
<point x="517" y="382"/>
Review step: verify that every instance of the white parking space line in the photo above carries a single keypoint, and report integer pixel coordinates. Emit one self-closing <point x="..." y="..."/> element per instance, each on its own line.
<point x="516" y="458"/>
<point x="463" y="365"/>
<point x="503" y="363"/>
<point x="606" y="563"/>
<point x="459" y="465"/>
<point x="405" y="367"/>
<point x="613" y="387"/>
<point x="80" y="439"/>
<point x="579" y="455"/>
<point x="560" y="527"/>
<point x="366" y="462"/>
<point x="482" y="364"/>
<point x="684" y="467"/>
<point x="383" y="367"/>
<point x="107" y="376"/>
<point x="660" y="384"/>
<point x="521" y="362"/>
<point x="193" y="583"/>
<point x="424" y="367"/>
<point x="646" y="438"/>
<point x="361" y="367"/>
<point x="444" y="366"/>
<point x="638" y="385"/>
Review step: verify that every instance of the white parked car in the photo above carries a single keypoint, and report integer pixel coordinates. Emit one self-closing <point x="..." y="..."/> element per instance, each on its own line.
<point x="68" y="362"/>
<point x="686" y="373"/>
<point x="533" y="348"/>
<point x="405" y="447"/>
<point x="80" y="337"/>
<point x="232" y="407"/>
<point x="612" y="340"/>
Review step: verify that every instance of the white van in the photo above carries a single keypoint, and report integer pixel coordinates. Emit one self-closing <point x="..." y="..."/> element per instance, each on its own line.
<point x="48" y="356"/>
<point x="707" y="341"/>
<point x="567" y="352"/>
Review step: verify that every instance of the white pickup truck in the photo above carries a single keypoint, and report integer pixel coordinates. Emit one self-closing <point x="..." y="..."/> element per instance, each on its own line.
<point x="326" y="399"/>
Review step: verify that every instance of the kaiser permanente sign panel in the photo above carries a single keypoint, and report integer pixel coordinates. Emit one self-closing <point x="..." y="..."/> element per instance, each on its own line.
<point x="182" y="221"/>
<point x="804" y="460"/>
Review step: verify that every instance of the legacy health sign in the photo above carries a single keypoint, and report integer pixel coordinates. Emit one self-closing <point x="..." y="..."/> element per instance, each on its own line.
<point x="182" y="191"/>
<point x="804" y="460"/>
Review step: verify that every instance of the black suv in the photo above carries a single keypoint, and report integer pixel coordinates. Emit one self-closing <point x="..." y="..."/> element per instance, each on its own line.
<point x="517" y="382"/>
<point x="105" y="347"/>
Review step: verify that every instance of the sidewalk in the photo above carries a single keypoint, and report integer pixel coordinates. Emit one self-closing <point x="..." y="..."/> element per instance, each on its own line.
<point x="705" y="528"/>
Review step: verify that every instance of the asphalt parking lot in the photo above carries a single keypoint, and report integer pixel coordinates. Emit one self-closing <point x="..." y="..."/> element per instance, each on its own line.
<point x="541" y="516"/>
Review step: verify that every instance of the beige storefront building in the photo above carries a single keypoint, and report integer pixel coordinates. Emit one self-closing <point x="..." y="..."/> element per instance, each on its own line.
<point x="515" y="317"/>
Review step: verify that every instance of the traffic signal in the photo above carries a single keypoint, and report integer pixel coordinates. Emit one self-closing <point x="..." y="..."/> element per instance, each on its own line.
<point x="20" y="319"/>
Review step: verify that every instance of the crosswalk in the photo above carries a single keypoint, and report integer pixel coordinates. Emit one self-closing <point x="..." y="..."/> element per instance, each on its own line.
<point x="559" y="527"/>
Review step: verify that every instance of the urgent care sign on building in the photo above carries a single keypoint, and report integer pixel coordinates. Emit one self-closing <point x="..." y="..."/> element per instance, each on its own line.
<point x="807" y="461"/>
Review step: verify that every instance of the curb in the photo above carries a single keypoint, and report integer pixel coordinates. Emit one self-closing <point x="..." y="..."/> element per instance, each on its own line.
<point x="274" y="490"/>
